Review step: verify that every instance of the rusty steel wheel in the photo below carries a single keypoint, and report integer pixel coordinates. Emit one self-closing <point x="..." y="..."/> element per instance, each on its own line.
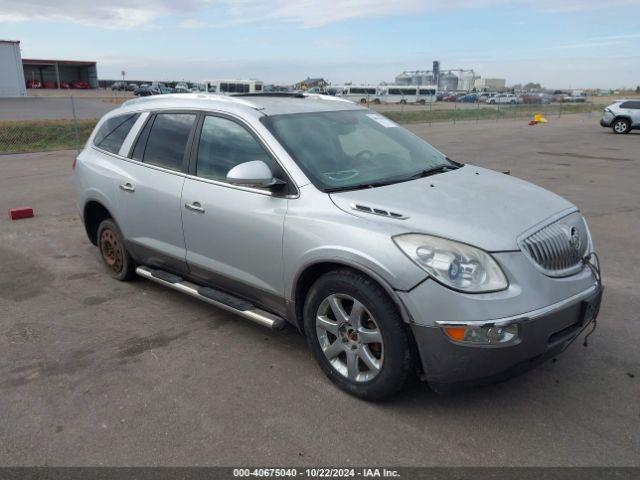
<point x="111" y="250"/>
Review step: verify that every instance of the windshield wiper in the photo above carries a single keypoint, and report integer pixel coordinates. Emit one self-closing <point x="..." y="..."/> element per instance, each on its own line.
<point x="360" y="186"/>
<point x="433" y="170"/>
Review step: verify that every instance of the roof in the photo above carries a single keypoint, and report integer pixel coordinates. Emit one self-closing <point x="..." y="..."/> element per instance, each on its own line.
<point x="9" y="41"/>
<point x="265" y="104"/>
<point x="37" y="61"/>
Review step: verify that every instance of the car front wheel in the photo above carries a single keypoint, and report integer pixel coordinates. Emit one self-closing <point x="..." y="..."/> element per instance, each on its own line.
<point x="621" y="125"/>
<point x="357" y="335"/>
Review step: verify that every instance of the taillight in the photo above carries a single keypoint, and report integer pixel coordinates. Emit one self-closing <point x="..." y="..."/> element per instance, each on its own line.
<point x="73" y="165"/>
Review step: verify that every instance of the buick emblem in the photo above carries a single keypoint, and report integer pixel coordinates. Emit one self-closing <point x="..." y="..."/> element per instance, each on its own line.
<point x="574" y="238"/>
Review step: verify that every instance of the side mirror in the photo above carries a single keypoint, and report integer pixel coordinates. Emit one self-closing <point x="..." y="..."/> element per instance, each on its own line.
<point x="252" y="174"/>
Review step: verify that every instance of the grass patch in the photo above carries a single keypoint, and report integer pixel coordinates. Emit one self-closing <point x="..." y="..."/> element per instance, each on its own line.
<point x="40" y="135"/>
<point x="488" y="113"/>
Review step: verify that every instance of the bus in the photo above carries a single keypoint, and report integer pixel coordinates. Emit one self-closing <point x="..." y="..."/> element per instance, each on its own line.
<point x="229" y="87"/>
<point x="408" y="93"/>
<point x="361" y="94"/>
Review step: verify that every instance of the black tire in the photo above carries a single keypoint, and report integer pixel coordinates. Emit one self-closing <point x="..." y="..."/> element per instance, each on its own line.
<point x="396" y="356"/>
<point x="363" y="101"/>
<point x="376" y="101"/>
<point x="114" y="254"/>
<point x="621" y="126"/>
<point x="403" y="101"/>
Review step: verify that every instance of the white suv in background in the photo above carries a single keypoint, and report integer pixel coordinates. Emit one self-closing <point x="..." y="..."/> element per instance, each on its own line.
<point x="504" y="98"/>
<point x="622" y="116"/>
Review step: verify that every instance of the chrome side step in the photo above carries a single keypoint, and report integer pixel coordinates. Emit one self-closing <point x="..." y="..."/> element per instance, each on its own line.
<point x="214" y="297"/>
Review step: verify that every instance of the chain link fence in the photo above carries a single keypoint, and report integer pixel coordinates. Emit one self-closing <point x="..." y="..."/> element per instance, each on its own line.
<point x="67" y="122"/>
<point x="56" y="120"/>
<point x="455" y="112"/>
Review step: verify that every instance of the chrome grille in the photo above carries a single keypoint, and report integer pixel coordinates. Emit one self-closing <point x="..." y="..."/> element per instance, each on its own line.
<point x="558" y="248"/>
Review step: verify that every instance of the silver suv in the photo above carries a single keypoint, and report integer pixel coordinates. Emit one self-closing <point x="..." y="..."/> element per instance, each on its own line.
<point x="622" y="116"/>
<point x="391" y="258"/>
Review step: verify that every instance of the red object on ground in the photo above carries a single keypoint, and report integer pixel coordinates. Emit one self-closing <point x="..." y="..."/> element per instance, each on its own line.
<point x="20" y="212"/>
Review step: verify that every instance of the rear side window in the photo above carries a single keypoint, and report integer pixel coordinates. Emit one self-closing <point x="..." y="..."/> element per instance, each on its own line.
<point x="633" y="104"/>
<point x="113" y="132"/>
<point x="223" y="145"/>
<point x="163" y="140"/>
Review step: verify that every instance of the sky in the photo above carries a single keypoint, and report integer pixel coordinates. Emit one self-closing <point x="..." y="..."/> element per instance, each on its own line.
<point x="559" y="43"/>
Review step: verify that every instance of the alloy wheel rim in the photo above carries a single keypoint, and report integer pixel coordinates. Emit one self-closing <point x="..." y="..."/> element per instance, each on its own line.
<point x="349" y="337"/>
<point x="111" y="250"/>
<point x="620" y="126"/>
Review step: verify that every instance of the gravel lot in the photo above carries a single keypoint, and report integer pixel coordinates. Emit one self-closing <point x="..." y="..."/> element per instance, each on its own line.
<point x="96" y="372"/>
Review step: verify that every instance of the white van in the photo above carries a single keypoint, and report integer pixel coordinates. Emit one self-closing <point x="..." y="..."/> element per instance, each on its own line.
<point x="228" y="87"/>
<point x="408" y="94"/>
<point x="361" y="94"/>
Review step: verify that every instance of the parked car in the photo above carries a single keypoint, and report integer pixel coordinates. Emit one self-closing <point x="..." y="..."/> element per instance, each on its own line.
<point x="145" y="91"/>
<point x="165" y="90"/>
<point x="132" y="87"/>
<point x="531" y="98"/>
<point x="182" y="88"/>
<point x="118" y="86"/>
<point x="451" y="97"/>
<point x="390" y="257"/>
<point x="622" y="116"/>
<point x="508" y="98"/>
<point x="80" y="84"/>
<point x="468" y="98"/>
<point x="574" y="99"/>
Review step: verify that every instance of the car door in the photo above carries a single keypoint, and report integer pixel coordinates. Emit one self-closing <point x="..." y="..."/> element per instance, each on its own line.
<point x="633" y="107"/>
<point x="233" y="234"/>
<point x="150" y="188"/>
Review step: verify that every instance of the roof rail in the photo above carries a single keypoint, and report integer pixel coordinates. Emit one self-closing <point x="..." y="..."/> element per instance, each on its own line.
<point x="333" y="98"/>
<point x="271" y="94"/>
<point x="204" y="96"/>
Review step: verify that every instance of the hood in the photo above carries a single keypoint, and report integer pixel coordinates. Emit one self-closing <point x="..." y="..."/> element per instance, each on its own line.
<point x="473" y="205"/>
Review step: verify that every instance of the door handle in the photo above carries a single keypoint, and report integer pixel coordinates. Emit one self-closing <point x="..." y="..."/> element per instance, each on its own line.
<point x="127" y="187"/>
<point x="195" y="206"/>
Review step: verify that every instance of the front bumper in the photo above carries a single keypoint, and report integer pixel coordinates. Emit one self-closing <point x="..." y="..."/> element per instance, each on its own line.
<point x="544" y="333"/>
<point x="606" y="119"/>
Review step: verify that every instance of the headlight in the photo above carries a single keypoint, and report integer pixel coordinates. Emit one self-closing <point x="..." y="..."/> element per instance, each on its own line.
<point x="454" y="264"/>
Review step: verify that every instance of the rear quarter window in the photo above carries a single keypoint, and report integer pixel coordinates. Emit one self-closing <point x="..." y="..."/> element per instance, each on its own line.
<point x="634" y="104"/>
<point x="113" y="132"/>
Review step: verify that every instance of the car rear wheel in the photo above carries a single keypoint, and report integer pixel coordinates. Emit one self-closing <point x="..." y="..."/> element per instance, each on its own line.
<point x="357" y="335"/>
<point x="621" y="125"/>
<point x="114" y="254"/>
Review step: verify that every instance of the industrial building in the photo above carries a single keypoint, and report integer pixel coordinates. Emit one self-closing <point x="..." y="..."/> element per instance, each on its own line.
<point x="16" y="73"/>
<point x="58" y="73"/>
<point x="490" y="84"/>
<point x="11" y="74"/>
<point x="447" y="80"/>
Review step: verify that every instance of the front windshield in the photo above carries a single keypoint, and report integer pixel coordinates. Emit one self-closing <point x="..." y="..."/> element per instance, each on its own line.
<point x="353" y="148"/>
